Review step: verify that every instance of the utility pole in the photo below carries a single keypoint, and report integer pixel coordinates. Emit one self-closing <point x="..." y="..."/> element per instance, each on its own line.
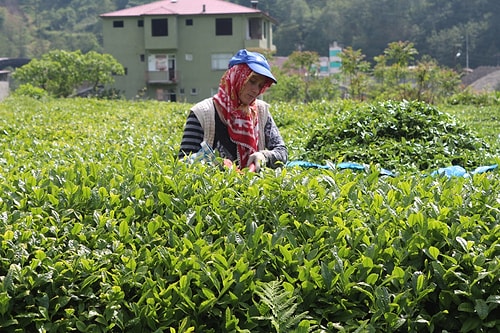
<point x="466" y="49"/>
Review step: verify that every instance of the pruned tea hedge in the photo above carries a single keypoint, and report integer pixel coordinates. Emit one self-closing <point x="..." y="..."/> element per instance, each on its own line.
<point x="398" y="135"/>
<point x="102" y="229"/>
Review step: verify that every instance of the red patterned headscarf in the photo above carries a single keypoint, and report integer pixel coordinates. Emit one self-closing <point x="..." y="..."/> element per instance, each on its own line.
<point x="241" y="120"/>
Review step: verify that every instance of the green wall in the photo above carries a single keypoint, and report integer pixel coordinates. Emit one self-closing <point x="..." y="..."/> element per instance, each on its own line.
<point x="193" y="47"/>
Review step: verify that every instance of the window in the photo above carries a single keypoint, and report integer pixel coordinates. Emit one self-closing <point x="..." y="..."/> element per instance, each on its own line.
<point x="142" y="57"/>
<point x="220" y="60"/>
<point x="118" y="24"/>
<point x="163" y="63"/>
<point x="157" y="62"/>
<point x="194" y="91"/>
<point x="224" y="27"/>
<point x="189" y="21"/>
<point x="159" y="27"/>
<point x="140" y="23"/>
<point x="255" y="28"/>
<point x="172" y="96"/>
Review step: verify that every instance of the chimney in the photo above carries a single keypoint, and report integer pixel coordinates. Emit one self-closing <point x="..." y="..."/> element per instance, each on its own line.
<point x="254" y="3"/>
<point x="204" y="8"/>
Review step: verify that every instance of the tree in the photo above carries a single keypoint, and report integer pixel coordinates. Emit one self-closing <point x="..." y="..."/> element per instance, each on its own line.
<point x="306" y="64"/>
<point x="60" y="72"/>
<point x="98" y="67"/>
<point x="354" y="69"/>
<point x="400" y="53"/>
<point x="293" y="33"/>
<point x="425" y="81"/>
<point x="438" y="28"/>
<point x="392" y="69"/>
<point x="433" y="82"/>
<point x="289" y="88"/>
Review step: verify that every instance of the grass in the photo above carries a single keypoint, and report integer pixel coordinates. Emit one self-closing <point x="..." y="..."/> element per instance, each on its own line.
<point x="485" y="120"/>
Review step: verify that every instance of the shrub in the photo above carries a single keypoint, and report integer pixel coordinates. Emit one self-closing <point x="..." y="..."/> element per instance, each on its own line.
<point x="398" y="135"/>
<point x="30" y="91"/>
<point x="102" y="229"/>
<point x="468" y="97"/>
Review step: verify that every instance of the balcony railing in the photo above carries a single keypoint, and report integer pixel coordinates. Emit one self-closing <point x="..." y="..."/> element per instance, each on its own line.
<point x="169" y="76"/>
<point x="259" y="44"/>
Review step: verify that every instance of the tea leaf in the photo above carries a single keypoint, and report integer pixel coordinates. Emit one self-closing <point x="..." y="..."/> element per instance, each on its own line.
<point x="124" y="229"/>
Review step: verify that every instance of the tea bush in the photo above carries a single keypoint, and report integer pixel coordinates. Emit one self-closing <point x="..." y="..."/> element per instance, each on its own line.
<point x="102" y="229"/>
<point x="398" y="135"/>
<point x="468" y="97"/>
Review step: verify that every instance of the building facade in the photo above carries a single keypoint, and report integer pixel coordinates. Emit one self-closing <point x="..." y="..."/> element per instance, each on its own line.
<point x="4" y="84"/>
<point x="177" y="50"/>
<point x="331" y="65"/>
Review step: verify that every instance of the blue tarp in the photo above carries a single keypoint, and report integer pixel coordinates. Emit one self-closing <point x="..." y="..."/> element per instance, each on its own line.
<point x="341" y="166"/>
<point x="450" y="171"/>
<point x="458" y="171"/>
<point x="207" y="155"/>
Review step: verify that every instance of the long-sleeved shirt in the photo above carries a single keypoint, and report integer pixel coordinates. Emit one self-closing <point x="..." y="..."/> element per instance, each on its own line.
<point x="275" y="151"/>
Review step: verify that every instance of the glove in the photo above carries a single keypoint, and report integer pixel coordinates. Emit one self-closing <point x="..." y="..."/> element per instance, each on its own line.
<point x="258" y="159"/>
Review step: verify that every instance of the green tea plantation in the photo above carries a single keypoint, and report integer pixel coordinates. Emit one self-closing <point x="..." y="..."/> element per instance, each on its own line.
<point x="102" y="229"/>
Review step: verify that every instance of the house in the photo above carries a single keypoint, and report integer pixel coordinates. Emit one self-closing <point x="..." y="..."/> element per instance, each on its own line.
<point x="6" y="65"/>
<point x="330" y="65"/>
<point x="334" y="60"/>
<point x="177" y="50"/>
<point x="4" y="84"/>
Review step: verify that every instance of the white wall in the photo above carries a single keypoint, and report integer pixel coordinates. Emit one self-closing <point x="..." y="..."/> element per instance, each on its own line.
<point x="4" y="89"/>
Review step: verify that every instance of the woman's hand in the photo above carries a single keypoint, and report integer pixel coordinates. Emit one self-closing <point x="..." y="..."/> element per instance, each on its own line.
<point x="258" y="159"/>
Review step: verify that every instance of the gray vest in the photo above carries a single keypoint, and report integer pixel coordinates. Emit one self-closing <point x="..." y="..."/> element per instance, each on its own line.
<point x="205" y="112"/>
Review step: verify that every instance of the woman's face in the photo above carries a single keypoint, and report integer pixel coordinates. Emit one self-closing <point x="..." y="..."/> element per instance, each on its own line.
<point x="252" y="88"/>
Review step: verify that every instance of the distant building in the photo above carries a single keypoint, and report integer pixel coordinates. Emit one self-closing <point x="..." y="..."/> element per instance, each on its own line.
<point x="331" y="64"/>
<point x="334" y="61"/>
<point x="177" y="50"/>
<point x="327" y="65"/>
<point x="4" y="84"/>
<point x="6" y="65"/>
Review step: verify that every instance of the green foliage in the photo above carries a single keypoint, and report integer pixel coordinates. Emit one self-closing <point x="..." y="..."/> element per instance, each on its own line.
<point x="32" y="27"/>
<point x="322" y="89"/>
<point x="468" y="97"/>
<point x="291" y="88"/>
<point x="279" y="306"/>
<point x="482" y="119"/>
<point x="30" y="91"/>
<point x="295" y="88"/>
<point x="424" y="82"/>
<point x="102" y="229"/>
<point x="302" y="61"/>
<point x="396" y="79"/>
<point x="60" y="72"/>
<point x="299" y="81"/>
<point x="392" y="78"/>
<point x="398" y="135"/>
<point x="354" y="69"/>
<point x="97" y="69"/>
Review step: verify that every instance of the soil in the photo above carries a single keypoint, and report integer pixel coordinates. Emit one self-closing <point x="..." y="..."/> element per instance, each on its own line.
<point x="487" y="83"/>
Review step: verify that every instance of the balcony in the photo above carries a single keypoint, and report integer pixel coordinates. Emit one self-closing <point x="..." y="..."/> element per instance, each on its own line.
<point x="262" y="44"/>
<point x="255" y="44"/>
<point x="168" y="77"/>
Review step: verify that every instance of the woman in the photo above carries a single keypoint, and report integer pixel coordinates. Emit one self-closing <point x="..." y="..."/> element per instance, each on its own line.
<point x="234" y="122"/>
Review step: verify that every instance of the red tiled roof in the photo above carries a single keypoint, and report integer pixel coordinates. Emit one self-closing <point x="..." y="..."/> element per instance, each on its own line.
<point x="183" y="7"/>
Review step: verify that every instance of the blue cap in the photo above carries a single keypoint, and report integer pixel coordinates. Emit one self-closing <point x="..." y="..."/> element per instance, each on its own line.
<point x="256" y="61"/>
